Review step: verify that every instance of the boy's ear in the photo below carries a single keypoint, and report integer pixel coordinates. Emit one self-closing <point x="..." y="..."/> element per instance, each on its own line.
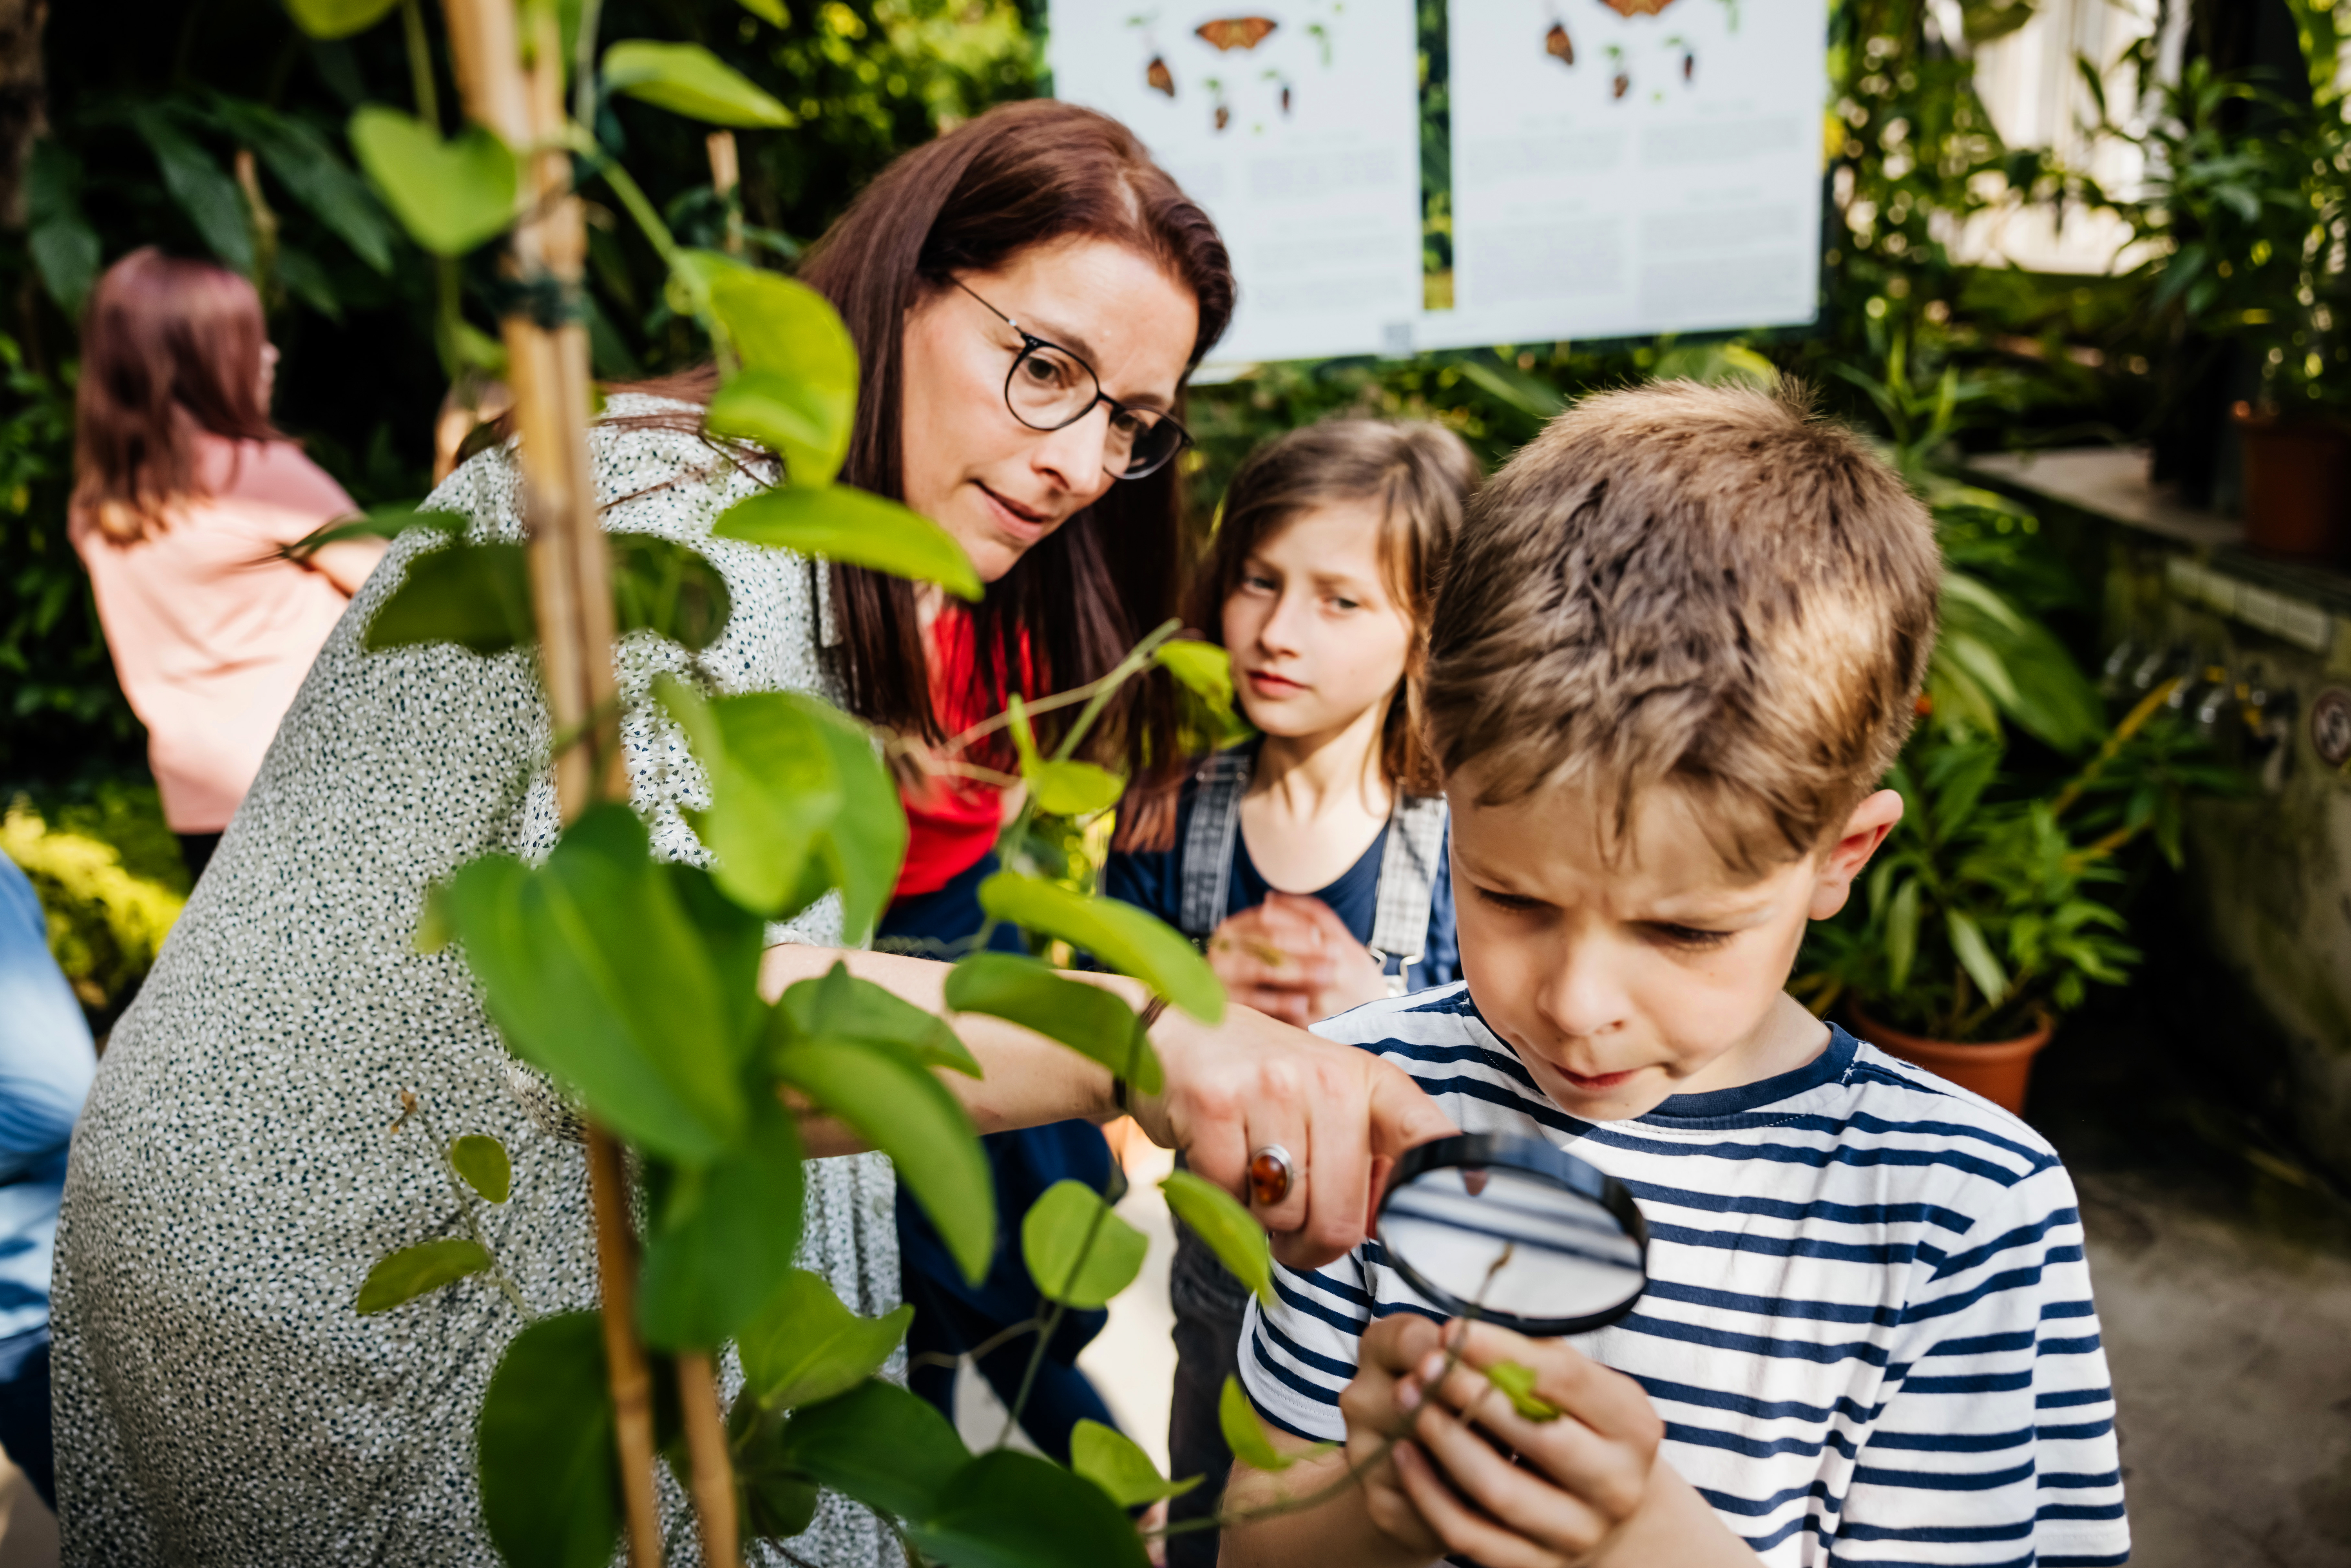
<point x="1843" y="859"/>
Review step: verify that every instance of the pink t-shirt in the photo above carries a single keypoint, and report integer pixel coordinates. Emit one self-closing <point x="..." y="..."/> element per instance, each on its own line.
<point x="212" y="630"/>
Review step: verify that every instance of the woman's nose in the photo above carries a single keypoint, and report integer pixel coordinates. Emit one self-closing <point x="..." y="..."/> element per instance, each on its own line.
<point x="1074" y="455"/>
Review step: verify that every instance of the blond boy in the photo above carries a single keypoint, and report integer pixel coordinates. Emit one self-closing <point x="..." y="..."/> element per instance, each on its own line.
<point x="1680" y="641"/>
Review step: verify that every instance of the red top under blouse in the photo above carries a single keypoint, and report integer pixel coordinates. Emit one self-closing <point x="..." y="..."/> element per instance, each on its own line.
<point x="952" y="823"/>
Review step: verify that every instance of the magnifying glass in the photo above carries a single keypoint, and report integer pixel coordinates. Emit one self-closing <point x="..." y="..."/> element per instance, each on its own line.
<point x="1516" y="1232"/>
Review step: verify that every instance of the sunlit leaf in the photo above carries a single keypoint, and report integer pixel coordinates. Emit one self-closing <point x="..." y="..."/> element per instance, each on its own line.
<point x="413" y="1271"/>
<point x="1087" y="1018"/>
<point x="1077" y="1250"/>
<point x="854" y="528"/>
<point x="808" y="428"/>
<point x="798" y="380"/>
<point x="889" y="1097"/>
<point x="1902" y="933"/>
<point x="596" y="971"/>
<point x="840" y="1006"/>
<point x="1517" y="1380"/>
<point x="773" y="788"/>
<point x="688" y="79"/>
<point x="862" y="851"/>
<point x="1218" y="1218"/>
<point x="1975" y="956"/>
<point x="1010" y="1510"/>
<point x="481" y="1161"/>
<point x="549" y="1484"/>
<point x="1204" y="668"/>
<point x="878" y="1444"/>
<point x="771" y="12"/>
<point x="1072" y="788"/>
<point x="1115" y="1462"/>
<point x="474" y="595"/>
<point x="1121" y="936"/>
<point x="337" y="19"/>
<point x="806" y="1347"/>
<point x="723" y="1236"/>
<point x="1245" y="1434"/>
<point x="666" y="587"/>
<point x="450" y="196"/>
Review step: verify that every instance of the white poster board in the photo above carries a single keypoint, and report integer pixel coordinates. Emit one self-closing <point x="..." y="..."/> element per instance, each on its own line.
<point x="1619" y="176"/>
<point x="1297" y="127"/>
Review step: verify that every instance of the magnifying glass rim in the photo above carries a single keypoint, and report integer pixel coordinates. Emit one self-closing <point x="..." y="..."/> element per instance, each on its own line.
<point x="1528" y="1157"/>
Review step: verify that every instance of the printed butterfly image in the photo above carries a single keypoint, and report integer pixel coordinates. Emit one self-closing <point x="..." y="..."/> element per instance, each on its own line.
<point x="1637" y="7"/>
<point x="1231" y="33"/>
<point x="1157" y="75"/>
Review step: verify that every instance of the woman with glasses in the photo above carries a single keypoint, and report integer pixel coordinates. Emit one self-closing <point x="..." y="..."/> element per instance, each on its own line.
<point x="233" y="1177"/>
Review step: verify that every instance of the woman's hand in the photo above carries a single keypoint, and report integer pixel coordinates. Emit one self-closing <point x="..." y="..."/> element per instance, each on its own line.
<point x="1343" y="1115"/>
<point x="1291" y="957"/>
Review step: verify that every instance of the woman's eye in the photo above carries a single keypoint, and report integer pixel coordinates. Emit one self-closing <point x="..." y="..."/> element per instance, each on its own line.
<point x="1339" y="603"/>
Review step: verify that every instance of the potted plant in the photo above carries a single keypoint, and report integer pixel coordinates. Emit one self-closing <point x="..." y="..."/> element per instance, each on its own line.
<point x="2245" y="191"/>
<point x="2001" y="895"/>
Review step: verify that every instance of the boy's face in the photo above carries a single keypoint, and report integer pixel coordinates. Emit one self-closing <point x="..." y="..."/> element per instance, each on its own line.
<point x="1620" y="982"/>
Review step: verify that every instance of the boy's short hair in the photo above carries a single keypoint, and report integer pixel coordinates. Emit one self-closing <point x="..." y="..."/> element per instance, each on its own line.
<point x="1704" y="585"/>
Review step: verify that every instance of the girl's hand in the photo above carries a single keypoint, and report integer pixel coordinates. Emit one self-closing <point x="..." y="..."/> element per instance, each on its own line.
<point x="1291" y="957"/>
<point x="1585" y="1476"/>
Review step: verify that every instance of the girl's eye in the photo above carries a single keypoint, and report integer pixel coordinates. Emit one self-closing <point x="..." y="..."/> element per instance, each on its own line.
<point x="1261" y="583"/>
<point x="1688" y="938"/>
<point x="1339" y="603"/>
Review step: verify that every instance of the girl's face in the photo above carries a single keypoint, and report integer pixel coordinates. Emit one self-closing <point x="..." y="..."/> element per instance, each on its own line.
<point x="990" y="480"/>
<point x="1316" y="636"/>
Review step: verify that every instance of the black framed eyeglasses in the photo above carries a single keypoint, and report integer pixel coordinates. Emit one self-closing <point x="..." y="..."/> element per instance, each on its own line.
<point x="1049" y="388"/>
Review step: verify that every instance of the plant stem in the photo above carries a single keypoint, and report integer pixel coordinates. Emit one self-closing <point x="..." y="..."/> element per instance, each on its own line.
<point x="631" y="1380"/>
<point x="2131" y="725"/>
<point x="420" y="65"/>
<point x="712" y="1474"/>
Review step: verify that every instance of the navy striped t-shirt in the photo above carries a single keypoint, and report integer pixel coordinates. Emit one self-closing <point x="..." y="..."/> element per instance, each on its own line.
<point x="1868" y="1325"/>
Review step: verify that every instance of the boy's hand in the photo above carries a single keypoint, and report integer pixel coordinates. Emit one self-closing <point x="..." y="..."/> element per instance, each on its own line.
<point x="1393" y="1349"/>
<point x="1292" y="958"/>
<point x="1584" y="1477"/>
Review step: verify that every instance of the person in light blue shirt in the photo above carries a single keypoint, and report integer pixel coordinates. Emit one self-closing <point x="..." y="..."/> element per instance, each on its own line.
<point x="46" y="1065"/>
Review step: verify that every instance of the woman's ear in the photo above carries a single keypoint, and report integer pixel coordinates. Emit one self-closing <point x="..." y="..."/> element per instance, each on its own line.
<point x="1842" y="861"/>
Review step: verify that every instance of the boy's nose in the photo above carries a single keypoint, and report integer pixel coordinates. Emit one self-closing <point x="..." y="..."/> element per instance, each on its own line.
<point x="1580" y="997"/>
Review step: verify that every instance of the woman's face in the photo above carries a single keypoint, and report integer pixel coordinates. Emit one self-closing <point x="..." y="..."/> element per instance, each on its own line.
<point x="995" y="485"/>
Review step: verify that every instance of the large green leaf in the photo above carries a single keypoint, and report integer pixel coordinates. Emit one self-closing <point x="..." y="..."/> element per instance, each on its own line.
<point x="840" y="1006"/>
<point x="886" y="1094"/>
<point x="862" y="851"/>
<point x="449" y="195"/>
<point x="1120" y="934"/>
<point x="1115" y="1462"/>
<point x="1062" y="787"/>
<point x="806" y="1347"/>
<point x="337" y="19"/>
<point x="549" y="1483"/>
<point x="1087" y="1018"/>
<point x="1219" y="1219"/>
<point x="724" y="1237"/>
<point x="594" y="970"/>
<point x="666" y="587"/>
<point x="1975" y="956"/>
<point x="1902" y="933"/>
<point x="878" y="1444"/>
<point x="306" y="164"/>
<point x="1078" y="1251"/>
<point x="63" y="245"/>
<point x="1244" y="1434"/>
<point x="773" y="788"/>
<point x="415" y="1271"/>
<point x="477" y="596"/>
<point x="197" y="183"/>
<point x="1204" y="668"/>
<point x="854" y="528"/>
<point x="1008" y="1510"/>
<point x="481" y="1161"/>
<point x="797" y="392"/>
<point x="688" y="79"/>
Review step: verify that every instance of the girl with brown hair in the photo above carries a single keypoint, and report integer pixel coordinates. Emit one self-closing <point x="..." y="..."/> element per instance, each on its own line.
<point x="231" y="1181"/>
<point x="185" y="496"/>
<point x="1308" y="863"/>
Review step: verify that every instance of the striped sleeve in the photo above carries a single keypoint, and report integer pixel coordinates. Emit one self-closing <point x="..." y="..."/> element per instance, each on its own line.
<point x="1996" y="1444"/>
<point x="1299" y="1354"/>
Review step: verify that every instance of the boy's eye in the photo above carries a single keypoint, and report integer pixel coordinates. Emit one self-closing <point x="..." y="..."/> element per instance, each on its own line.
<point x="1688" y="936"/>
<point x="1510" y="903"/>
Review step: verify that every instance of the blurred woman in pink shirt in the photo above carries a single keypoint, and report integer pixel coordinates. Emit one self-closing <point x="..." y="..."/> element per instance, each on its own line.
<point x="184" y="494"/>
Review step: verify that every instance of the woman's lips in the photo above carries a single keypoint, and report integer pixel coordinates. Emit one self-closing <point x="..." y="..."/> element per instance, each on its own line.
<point x="1019" y="521"/>
<point x="1266" y="684"/>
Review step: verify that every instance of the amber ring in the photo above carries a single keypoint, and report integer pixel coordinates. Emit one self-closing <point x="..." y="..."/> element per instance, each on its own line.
<point x="1269" y="1170"/>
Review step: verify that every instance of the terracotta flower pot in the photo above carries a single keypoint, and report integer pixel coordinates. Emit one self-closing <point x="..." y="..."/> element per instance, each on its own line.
<point x="2297" y="486"/>
<point x="1998" y="1069"/>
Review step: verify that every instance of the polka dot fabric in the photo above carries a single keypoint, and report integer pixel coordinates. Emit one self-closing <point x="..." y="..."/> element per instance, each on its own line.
<point x="235" y="1174"/>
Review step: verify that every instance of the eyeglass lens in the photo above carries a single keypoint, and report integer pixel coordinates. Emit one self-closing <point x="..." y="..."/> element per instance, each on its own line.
<point x="1049" y="389"/>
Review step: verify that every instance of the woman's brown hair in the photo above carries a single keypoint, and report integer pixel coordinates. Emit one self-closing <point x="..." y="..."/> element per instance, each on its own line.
<point x="1421" y="476"/>
<point x="168" y="346"/>
<point x="1021" y="174"/>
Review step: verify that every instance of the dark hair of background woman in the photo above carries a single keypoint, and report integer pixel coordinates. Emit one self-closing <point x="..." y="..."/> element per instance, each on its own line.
<point x="1022" y="174"/>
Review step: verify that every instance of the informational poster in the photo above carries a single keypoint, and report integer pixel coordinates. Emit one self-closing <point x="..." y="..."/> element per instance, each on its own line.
<point x="1633" y="167"/>
<point x="1298" y="128"/>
